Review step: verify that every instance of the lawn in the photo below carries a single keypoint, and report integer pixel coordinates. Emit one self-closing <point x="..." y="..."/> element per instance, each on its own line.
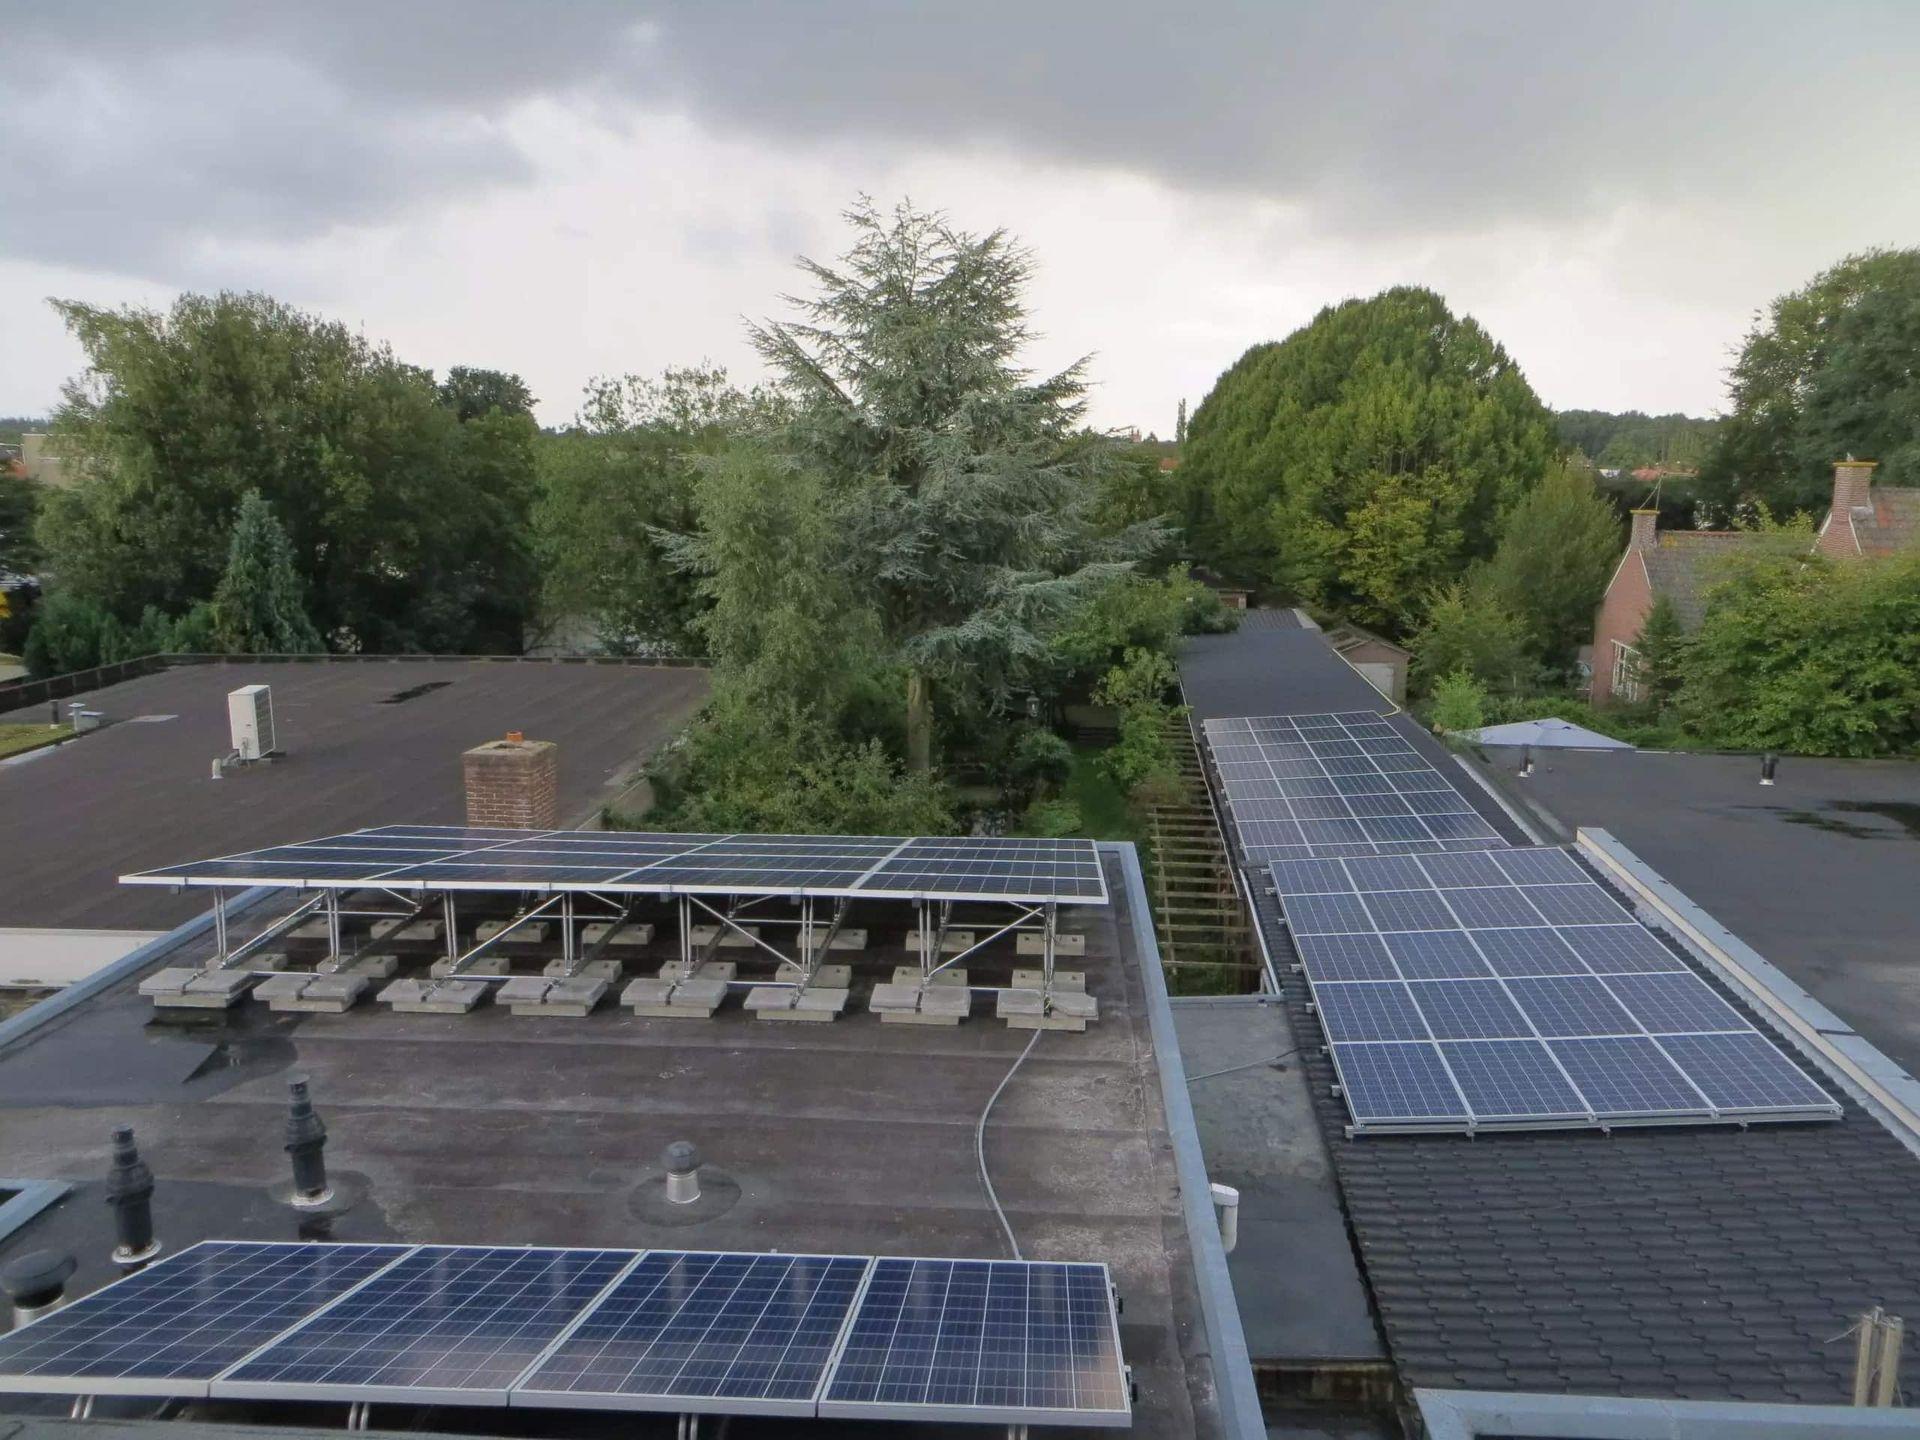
<point x="17" y="738"/>
<point x="1103" y="808"/>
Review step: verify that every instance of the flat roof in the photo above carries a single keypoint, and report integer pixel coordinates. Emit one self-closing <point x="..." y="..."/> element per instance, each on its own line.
<point x="1817" y="872"/>
<point x="490" y="1128"/>
<point x="366" y="742"/>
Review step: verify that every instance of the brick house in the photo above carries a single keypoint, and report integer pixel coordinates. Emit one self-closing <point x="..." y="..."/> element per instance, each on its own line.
<point x="1865" y="521"/>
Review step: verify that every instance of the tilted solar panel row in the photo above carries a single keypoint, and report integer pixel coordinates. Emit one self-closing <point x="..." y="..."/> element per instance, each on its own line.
<point x="452" y="857"/>
<point x="1508" y="989"/>
<point x="1016" y="1342"/>
<point x="1348" y="784"/>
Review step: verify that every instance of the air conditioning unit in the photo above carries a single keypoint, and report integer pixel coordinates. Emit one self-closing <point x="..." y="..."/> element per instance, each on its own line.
<point x="250" y="715"/>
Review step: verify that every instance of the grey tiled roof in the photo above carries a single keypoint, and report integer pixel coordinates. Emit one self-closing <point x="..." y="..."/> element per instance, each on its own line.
<point x="1671" y="1263"/>
<point x="1685" y="564"/>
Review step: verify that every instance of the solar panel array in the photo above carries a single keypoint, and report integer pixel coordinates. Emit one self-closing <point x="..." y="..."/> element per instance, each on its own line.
<point x="453" y="857"/>
<point x="1343" y="784"/>
<point x="690" y="1332"/>
<point x="1506" y="988"/>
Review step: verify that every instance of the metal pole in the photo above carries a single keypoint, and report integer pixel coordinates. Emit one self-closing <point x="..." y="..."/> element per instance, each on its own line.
<point x="686" y="936"/>
<point x="1046" y="946"/>
<point x="220" y="924"/>
<point x="448" y="923"/>
<point x="333" y="925"/>
<point x="566" y="932"/>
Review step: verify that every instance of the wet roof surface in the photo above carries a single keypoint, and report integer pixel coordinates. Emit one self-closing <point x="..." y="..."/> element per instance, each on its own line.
<point x="489" y="1128"/>
<point x="137" y="794"/>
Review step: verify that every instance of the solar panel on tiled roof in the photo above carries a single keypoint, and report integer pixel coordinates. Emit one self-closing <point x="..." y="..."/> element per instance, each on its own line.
<point x="1336" y="785"/>
<point x="1507" y="989"/>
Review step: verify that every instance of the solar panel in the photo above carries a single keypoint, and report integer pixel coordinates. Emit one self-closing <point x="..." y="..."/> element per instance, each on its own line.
<point x="1336" y="785"/>
<point x="453" y="857"/>
<point x="168" y="1329"/>
<point x="449" y="1323"/>
<point x="691" y="1332"/>
<point x="1508" y="989"/>
<point x="1019" y="1342"/>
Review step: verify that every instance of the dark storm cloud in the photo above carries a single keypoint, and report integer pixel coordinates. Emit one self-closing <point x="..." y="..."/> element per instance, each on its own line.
<point x="132" y="133"/>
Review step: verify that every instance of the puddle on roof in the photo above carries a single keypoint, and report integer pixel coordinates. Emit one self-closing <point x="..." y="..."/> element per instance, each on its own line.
<point x="400" y="697"/>
<point x="1904" y="814"/>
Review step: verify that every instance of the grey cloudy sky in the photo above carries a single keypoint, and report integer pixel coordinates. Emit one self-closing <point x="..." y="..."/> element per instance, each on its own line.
<point x="578" y="188"/>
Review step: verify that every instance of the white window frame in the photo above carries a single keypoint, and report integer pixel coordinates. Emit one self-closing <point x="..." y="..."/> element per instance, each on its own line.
<point x="1627" y="682"/>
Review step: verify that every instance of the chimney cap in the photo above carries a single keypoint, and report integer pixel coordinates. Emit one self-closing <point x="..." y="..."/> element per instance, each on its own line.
<point x="1849" y="460"/>
<point x="515" y="737"/>
<point x="1646" y="510"/>
<point x="681" y="1158"/>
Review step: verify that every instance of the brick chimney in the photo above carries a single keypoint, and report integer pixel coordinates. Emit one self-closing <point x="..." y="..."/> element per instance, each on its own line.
<point x="1852" y="491"/>
<point x="513" y="783"/>
<point x="1645" y="531"/>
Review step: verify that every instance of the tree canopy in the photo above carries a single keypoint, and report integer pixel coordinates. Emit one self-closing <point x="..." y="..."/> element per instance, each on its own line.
<point x="1827" y="372"/>
<point x="257" y="608"/>
<point x="1364" y="459"/>
<point x="408" y="525"/>
<point x="1633" y="439"/>
<point x="962" y="486"/>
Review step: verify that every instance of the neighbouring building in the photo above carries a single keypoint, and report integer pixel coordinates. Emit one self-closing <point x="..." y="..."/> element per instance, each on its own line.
<point x="1865" y="521"/>
<point x="1234" y="597"/>
<point x="1383" y="663"/>
<point x="43" y="465"/>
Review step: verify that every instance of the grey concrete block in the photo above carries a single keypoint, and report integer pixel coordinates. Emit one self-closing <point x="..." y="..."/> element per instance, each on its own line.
<point x="266" y="960"/>
<point x="328" y="995"/>
<point x="847" y="939"/>
<point x="374" y="967"/>
<point x="821" y="1000"/>
<point x="831" y="977"/>
<point x="948" y="1001"/>
<point x="276" y="990"/>
<point x="646" y="991"/>
<point x="485" y="965"/>
<point x="167" y="982"/>
<point x="398" y="928"/>
<point x="1032" y="942"/>
<point x="524" y="990"/>
<point x="626" y="935"/>
<point x="1076" y="1003"/>
<point x="894" y="998"/>
<point x="212" y="990"/>
<point x="312" y="929"/>
<point x="770" y="999"/>
<point x="608" y="970"/>
<point x="702" y="992"/>
<point x="1062" y="980"/>
<point x="954" y="942"/>
<point x="533" y="932"/>
<point x="454" y="997"/>
<point x="723" y="969"/>
<point x="1019" y="1001"/>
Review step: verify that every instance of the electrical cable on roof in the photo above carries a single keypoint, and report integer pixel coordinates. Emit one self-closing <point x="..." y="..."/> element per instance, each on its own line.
<point x="980" y="1147"/>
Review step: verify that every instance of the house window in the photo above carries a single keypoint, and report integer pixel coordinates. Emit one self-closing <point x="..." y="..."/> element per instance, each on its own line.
<point x="1627" y="684"/>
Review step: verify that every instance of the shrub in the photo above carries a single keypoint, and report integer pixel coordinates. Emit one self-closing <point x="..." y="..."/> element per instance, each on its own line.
<point x="1041" y="762"/>
<point x="1052" y="819"/>
<point x="1459" y="702"/>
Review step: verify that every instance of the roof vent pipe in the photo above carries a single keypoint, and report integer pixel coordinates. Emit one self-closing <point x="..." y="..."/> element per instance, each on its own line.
<point x="683" y="1172"/>
<point x="130" y="1193"/>
<point x="306" y="1140"/>
<point x="36" y="1283"/>
<point x="1226" y="1205"/>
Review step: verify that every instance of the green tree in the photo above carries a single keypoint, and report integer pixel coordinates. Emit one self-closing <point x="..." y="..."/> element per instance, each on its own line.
<point x="472" y="393"/>
<point x="1459" y="702"/>
<point x="19" y="506"/>
<point x="1827" y="372"/>
<point x="1365" y="457"/>
<point x="408" y="527"/>
<point x="1799" y="654"/>
<point x="1632" y="439"/>
<point x="1466" y="630"/>
<point x="615" y="484"/>
<point x="1560" y="545"/>
<point x="257" y="607"/>
<point x="1663" y="649"/>
<point x="963" y="491"/>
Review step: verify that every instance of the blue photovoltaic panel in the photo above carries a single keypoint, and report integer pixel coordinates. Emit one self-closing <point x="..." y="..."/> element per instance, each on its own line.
<point x="1019" y="1342"/>
<point x="431" y="857"/>
<point x="1336" y="785"/>
<point x="690" y="1332"/>
<point x="1506" y="988"/>
<point x="449" y="1322"/>
<point x="172" y="1327"/>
